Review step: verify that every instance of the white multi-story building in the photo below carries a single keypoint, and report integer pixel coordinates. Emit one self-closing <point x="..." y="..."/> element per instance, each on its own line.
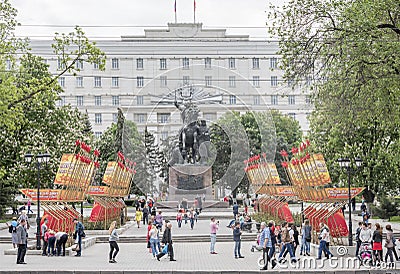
<point x="143" y="72"/>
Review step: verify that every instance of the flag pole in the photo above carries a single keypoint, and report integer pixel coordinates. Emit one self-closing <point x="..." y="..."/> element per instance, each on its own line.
<point x="176" y="20"/>
<point x="194" y="11"/>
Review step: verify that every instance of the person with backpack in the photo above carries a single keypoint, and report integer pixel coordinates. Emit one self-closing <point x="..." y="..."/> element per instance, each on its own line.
<point x="287" y="243"/>
<point x="79" y="235"/>
<point x="12" y="228"/>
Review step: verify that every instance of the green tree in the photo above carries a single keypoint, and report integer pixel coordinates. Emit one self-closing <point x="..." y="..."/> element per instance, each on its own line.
<point x="264" y="132"/>
<point x="346" y="53"/>
<point x="29" y="120"/>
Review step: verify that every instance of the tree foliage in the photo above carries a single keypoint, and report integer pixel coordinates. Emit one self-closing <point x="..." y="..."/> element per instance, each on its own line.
<point x="349" y="51"/>
<point x="29" y="118"/>
<point x="263" y="132"/>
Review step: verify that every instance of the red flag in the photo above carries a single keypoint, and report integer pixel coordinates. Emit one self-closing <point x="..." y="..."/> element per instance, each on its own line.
<point x="175" y="7"/>
<point x="194" y="5"/>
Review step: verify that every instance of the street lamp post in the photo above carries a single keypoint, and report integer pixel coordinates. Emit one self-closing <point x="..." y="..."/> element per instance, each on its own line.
<point x="346" y="163"/>
<point x="40" y="158"/>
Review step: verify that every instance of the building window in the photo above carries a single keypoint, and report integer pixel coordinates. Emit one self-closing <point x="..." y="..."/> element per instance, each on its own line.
<point x="61" y="81"/>
<point x="139" y="100"/>
<point x="163" y="81"/>
<point x="97" y="100"/>
<point x="139" y="63"/>
<point x="308" y="80"/>
<point x="163" y="63"/>
<point x="79" y="82"/>
<point x="164" y="135"/>
<point x="115" y="100"/>
<point x="273" y="63"/>
<point x="60" y="64"/>
<point x="163" y="118"/>
<point x="97" y="82"/>
<point x="232" y="63"/>
<point x="256" y="100"/>
<point x="256" y="81"/>
<point x="79" y="101"/>
<point x="207" y="63"/>
<point x="114" y="82"/>
<point x="208" y="81"/>
<point x="274" y="81"/>
<point x="185" y="63"/>
<point x="232" y="99"/>
<point x="256" y="63"/>
<point x="61" y="101"/>
<point x="232" y="81"/>
<point x="292" y="115"/>
<point x="186" y="79"/>
<point x="115" y="117"/>
<point x="291" y="100"/>
<point x="95" y="66"/>
<point x="274" y="99"/>
<point x="140" y="81"/>
<point x="8" y="64"/>
<point x="98" y="134"/>
<point x="79" y="64"/>
<point x="290" y="82"/>
<point x="140" y="118"/>
<point x="98" y="118"/>
<point x="308" y="99"/>
<point x="115" y="63"/>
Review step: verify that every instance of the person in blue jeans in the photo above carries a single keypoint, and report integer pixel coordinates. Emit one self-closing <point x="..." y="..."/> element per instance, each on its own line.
<point x="323" y="237"/>
<point x="236" y="238"/>
<point x="79" y="232"/>
<point x="287" y="243"/>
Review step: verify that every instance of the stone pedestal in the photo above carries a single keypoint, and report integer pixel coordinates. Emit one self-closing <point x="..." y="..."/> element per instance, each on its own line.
<point x="188" y="181"/>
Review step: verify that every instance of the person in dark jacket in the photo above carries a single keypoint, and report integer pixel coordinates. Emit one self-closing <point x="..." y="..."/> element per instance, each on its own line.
<point x="167" y="239"/>
<point x="236" y="238"/>
<point x="79" y="234"/>
<point x="22" y="240"/>
<point x="145" y="215"/>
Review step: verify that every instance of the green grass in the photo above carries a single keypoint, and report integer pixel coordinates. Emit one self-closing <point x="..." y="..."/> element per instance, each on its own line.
<point x="395" y="219"/>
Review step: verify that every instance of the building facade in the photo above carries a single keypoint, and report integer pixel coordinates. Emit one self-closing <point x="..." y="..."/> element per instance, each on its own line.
<point x="144" y="73"/>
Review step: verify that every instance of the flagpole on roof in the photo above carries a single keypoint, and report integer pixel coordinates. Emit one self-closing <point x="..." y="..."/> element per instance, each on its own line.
<point x="176" y="20"/>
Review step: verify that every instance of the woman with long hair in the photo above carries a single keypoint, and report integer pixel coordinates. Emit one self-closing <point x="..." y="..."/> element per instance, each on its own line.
<point x="112" y="231"/>
<point x="377" y="244"/>
<point x="389" y="244"/>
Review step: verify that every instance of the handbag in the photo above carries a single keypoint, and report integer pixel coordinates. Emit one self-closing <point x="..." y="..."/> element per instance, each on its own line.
<point x="165" y="249"/>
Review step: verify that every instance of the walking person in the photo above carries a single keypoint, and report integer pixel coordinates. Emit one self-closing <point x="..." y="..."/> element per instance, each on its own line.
<point x="266" y="243"/>
<point x="179" y="219"/>
<point x="61" y="240"/>
<point x="213" y="234"/>
<point x="191" y="218"/>
<point x="154" y="240"/>
<point x="22" y="240"/>
<point x="377" y="245"/>
<point x="138" y="217"/>
<point x="25" y="217"/>
<point x="167" y="239"/>
<point x="323" y="237"/>
<point x="306" y="238"/>
<point x="237" y="233"/>
<point x="235" y="210"/>
<point x="43" y="230"/>
<point x="287" y="244"/>
<point x="79" y="235"/>
<point x="358" y="240"/>
<point x="28" y="205"/>
<point x="389" y="244"/>
<point x="12" y="228"/>
<point x="145" y="215"/>
<point x="112" y="240"/>
<point x="295" y="238"/>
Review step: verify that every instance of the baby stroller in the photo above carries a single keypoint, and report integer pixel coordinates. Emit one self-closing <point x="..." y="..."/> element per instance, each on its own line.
<point x="365" y="254"/>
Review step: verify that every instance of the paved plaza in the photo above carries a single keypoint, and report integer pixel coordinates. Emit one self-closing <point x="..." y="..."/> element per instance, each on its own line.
<point x="191" y="256"/>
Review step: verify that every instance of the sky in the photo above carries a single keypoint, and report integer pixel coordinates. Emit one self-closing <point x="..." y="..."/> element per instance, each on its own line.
<point x="99" y="18"/>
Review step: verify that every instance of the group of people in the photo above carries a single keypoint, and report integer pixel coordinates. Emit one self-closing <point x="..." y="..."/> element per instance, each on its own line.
<point x="369" y="244"/>
<point x="154" y="243"/>
<point x="53" y="240"/>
